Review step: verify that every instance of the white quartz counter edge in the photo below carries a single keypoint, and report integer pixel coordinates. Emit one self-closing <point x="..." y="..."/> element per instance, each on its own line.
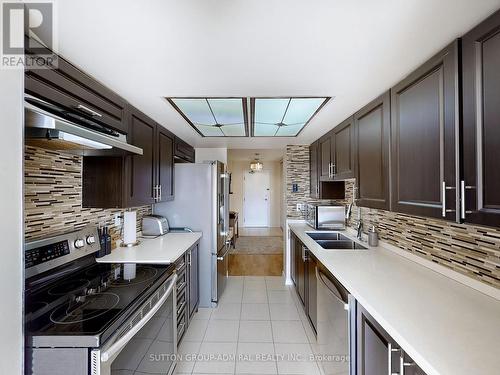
<point x="445" y="326"/>
<point x="162" y="250"/>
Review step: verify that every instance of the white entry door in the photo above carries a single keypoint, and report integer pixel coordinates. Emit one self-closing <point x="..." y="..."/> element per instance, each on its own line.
<point x="256" y="197"/>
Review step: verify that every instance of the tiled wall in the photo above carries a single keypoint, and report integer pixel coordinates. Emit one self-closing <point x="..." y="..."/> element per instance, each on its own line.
<point x="53" y="197"/>
<point x="296" y="169"/>
<point x="470" y="250"/>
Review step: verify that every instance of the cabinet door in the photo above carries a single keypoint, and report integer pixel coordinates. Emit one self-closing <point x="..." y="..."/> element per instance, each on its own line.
<point x="183" y="151"/>
<point x="313" y="170"/>
<point x="293" y="257"/>
<point x="372" y="124"/>
<point x="481" y="128"/>
<point x="164" y="164"/>
<point x="374" y="347"/>
<point x="300" y="271"/>
<point x="141" y="168"/>
<point x="343" y="150"/>
<point x="194" y="290"/>
<point x="325" y="157"/>
<point x="312" y="291"/>
<point x="424" y="139"/>
<point x="69" y="87"/>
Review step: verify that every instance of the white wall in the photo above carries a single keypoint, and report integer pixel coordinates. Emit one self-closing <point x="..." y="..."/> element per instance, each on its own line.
<point x="237" y="170"/>
<point x="204" y="154"/>
<point x="11" y="221"/>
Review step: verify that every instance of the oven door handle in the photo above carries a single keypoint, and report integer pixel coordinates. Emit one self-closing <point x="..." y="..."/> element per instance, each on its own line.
<point x="118" y="345"/>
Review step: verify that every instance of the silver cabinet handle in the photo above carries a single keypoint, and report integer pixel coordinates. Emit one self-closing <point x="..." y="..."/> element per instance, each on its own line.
<point x="443" y="192"/>
<point x="334" y="170"/>
<point x="462" y="199"/>
<point x="159" y="196"/>
<point x="391" y="350"/>
<point x="463" y="188"/>
<point x="88" y="110"/>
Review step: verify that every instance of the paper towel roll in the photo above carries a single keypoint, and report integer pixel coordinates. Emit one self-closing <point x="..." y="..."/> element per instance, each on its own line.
<point x="129" y="227"/>
<point x="129" y="271"/>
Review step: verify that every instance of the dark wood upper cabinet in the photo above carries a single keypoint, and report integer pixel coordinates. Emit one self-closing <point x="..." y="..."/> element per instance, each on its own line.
<point x="70" y="88"/>
<point x="343" y="150"/>
<point x="164" y="164"/>
<point x="481" y="123"/>
<point x="313" y="170"/>
<point x="183" y="153"/>
<point x="336" y="155"/>
<point x="132" y="180"/>
<point x="141" y="168"/>
<point x="373" y="126"/>
<point x="325" y="157"/>
<point x="425" y="129"/>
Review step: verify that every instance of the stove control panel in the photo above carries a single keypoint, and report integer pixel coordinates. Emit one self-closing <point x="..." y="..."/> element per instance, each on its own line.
<point x="43" y="255"/>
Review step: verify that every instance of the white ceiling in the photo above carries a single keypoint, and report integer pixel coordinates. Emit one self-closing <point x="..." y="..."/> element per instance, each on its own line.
<point x="249" y="154"/>
<point x="351" y="50"/>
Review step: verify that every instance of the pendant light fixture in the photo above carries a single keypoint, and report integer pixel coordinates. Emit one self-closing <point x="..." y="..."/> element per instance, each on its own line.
<point x="256" y="165"/>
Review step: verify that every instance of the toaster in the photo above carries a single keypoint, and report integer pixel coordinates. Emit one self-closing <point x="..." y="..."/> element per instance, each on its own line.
<point x="154" y="225"/>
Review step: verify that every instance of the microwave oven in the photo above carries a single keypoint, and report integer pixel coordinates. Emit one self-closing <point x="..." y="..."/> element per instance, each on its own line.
<point x="332" y="217"/>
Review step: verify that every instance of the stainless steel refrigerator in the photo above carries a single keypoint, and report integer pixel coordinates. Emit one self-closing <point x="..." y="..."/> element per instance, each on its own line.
<point x="202" y="203"/>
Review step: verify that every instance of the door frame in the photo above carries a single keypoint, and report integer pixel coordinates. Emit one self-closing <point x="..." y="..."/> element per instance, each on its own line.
<point x="268" y="172"/>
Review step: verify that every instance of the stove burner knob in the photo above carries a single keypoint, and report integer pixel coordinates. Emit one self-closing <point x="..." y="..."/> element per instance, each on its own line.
<point x="91" y="240"/>
<point x="79" y="243"/>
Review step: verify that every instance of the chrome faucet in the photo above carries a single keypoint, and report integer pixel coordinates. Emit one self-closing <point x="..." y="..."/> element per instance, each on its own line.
<point x="359" y="226"/>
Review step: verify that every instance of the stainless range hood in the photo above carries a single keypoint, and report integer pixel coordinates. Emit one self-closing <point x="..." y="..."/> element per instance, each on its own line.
<point x="46" y="129"/>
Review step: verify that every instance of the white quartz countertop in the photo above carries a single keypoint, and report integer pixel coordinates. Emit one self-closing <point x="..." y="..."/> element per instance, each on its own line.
<point x="161" y="250"/>
<point x="447" y="327"/>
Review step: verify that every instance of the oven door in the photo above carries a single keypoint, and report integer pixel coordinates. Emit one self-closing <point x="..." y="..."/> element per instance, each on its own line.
<point x="147" y="342"/>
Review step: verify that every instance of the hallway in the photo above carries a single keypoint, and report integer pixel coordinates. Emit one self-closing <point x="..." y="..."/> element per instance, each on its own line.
<point x="257" y="252"/>
<point x="258" y="328"/>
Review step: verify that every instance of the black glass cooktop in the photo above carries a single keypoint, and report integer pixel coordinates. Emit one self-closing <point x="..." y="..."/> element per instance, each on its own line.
<point x="89" y="300"/>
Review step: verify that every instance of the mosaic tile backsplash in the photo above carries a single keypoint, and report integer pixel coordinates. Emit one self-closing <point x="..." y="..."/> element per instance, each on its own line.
<point x="468" y="249"/>
<point x="53" y="197"/>
<point x="296" y="166"/>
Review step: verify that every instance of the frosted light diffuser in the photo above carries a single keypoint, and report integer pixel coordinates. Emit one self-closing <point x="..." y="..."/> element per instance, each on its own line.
<point x="214" y="117"/>
<point x="283" y="117"/>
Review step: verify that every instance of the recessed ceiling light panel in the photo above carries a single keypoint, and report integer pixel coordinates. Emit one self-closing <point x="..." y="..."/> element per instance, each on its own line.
<point x="214" y="117"/>
<point x="283" y="117"/>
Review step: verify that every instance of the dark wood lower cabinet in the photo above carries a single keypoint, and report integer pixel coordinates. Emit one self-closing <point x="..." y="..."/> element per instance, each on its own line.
<point x="425" y="130"/>
<point x="373" y="126"/>
<point x="300" y="270"/>
<point x="481" y="123"/>
<point x="312" y="291"/>
<point x="376" y="352"/>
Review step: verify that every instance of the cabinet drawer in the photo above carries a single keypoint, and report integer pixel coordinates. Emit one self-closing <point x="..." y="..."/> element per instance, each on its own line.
<point x="70" y="88"/>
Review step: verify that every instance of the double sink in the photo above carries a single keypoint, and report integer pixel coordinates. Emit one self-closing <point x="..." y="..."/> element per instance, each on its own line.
<point x="335" y="241"/>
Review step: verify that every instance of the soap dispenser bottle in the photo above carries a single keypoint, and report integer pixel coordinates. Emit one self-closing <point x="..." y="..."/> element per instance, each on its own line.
<point x="372" y="237"/>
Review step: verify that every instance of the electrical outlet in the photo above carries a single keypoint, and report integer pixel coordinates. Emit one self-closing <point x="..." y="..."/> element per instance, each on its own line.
<point x="118" y="219"/>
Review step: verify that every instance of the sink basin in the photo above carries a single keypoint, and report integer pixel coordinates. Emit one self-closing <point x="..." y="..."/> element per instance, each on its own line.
<point x="335" y="241"/>
<point x="327" y="236"/>
<point x="340" y="245"/>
